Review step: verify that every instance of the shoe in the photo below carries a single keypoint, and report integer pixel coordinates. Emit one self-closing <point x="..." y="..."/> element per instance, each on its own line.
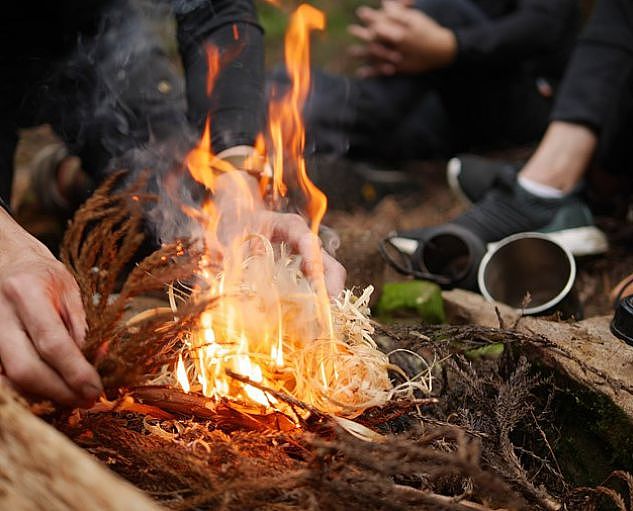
<point x="471" y="177"/>
<point x="509" y="210"/>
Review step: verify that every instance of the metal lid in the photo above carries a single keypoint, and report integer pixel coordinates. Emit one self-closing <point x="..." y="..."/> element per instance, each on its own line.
<point x="622" y="323"/>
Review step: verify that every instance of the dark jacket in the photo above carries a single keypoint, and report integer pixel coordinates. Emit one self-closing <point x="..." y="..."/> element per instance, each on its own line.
<point x="36" y="36"/>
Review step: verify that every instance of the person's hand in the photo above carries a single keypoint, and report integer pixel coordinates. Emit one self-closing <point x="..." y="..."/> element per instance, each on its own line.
<point x="237" y="196"/>
<point x="43" y="322"/>
<point x="401" y="39"/>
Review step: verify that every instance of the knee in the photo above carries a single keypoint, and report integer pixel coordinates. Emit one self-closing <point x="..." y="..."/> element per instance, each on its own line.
<point x="451" y="13"/>
<point x="431" y="7"/>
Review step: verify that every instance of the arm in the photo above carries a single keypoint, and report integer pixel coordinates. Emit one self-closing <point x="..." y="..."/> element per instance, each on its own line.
<point x="236" y="104"/>
<point x="277" y="227"/>
<point x="43" y="322"/>
<point x="236" y="108"/>
<point x="402" y="39"/>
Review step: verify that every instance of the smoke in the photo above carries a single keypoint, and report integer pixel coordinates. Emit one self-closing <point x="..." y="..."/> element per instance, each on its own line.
<point x="119" y="102"/>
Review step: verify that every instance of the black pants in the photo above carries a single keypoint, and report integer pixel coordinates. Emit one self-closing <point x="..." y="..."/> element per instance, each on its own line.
<point x="598" y="87"/>
<point x="102" y="98"/>
<point x="431" y="115"/>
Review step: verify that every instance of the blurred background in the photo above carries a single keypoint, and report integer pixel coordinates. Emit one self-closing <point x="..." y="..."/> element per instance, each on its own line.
<point x="360" y="225"/>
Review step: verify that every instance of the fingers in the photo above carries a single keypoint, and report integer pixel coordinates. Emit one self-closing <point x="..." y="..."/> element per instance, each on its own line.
<point x="363" y="33"/>
<point x="72" y="312"/>
<point x="50" y="340"/>
<point x="397" y="12"/>
<point x="24" y="368"/>
<point x="376" y="70"/>
<point x="293" y="230"/>
<point x="385" y="25"/>
<point x="385" y="29"/>
<point x="335" y="275"/>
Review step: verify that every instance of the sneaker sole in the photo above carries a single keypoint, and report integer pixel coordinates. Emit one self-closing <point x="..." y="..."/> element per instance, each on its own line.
<point x="580" y="241"/>
<point x="453" y="170"/>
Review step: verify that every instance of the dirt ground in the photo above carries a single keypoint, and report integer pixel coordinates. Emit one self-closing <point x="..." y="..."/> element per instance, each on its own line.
<point x="427" y="202"/>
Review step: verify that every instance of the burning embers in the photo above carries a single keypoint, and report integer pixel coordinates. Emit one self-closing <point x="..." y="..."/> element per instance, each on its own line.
<point x="268" y="322"/>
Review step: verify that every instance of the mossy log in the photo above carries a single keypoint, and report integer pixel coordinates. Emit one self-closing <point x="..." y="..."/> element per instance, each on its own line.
<point x="592" y="367"/>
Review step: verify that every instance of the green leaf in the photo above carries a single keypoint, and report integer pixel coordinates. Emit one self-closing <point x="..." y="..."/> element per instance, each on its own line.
<point x="417" y="298"/>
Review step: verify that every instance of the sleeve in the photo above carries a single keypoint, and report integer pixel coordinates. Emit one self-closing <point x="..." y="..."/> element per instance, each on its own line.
<point x="601" y="68"/>
<point x="236" y="105"/>
<point x="535" y="27"/>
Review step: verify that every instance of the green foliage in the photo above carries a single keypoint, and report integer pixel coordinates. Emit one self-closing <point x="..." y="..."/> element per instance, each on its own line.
<point x="417" y="298"/>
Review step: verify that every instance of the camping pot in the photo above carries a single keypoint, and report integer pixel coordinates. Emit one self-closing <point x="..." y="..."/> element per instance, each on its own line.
<point x="530" y="263"/>
<point x="448" y="255"/>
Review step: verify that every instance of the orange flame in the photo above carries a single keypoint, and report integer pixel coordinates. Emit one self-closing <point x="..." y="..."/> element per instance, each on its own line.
<point x="256" y="325"/>
<point x="286" y="122"/>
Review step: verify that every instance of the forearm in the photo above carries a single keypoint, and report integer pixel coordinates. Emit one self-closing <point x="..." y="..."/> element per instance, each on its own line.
<point x="236" y="105"/>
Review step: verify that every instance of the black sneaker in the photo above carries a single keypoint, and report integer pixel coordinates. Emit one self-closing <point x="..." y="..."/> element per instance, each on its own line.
<point x="509" y="210"/>
<point x="471" y="177"/>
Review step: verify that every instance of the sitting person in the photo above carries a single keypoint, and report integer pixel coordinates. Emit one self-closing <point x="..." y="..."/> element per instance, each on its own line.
<point x="592" y="120"/>
<point x="443" y="76"/>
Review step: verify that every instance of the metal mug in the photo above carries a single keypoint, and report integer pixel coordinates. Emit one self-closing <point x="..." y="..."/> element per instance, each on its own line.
<point x="530" y="263"/>
<point x="448" y="255"/>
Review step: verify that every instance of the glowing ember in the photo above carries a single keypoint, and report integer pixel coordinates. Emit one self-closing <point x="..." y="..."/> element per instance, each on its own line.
<point x="268" y="323"/>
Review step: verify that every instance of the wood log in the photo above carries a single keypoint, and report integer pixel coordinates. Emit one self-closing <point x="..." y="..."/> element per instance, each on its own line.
<point x="586" y="352"/>
<point x="40" y="469"/>
<point x="593" y="370"/>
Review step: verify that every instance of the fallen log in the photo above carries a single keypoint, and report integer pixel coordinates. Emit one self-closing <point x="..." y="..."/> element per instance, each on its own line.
<point x="42" y="469"/>
<point x="586" y="351"/>
<point x="592" y="367"/>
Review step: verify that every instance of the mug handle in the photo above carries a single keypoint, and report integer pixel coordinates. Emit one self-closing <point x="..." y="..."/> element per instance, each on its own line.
<point x="440" y="280"/>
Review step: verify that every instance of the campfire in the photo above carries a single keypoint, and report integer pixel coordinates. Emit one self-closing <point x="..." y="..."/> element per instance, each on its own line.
<point x="267" y="322"/>
<point x="248" y="387"/>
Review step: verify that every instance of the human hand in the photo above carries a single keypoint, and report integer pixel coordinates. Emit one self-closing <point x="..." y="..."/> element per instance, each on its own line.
<point x="232" y="202"/>
<point x="399" y="39"/>
<point x="43" y="322"/>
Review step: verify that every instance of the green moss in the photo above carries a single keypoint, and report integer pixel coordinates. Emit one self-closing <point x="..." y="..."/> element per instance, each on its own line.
<point x="595" y="435"/>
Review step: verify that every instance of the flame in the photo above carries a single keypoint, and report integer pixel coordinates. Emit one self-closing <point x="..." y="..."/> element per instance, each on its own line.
<point x="266" y="321"/>
<point x="181" y="375"/>
<point x="286" y="123"/>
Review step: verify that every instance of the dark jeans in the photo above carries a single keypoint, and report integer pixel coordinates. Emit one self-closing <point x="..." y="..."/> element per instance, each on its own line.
<point x="431" y="115"/>
<point x="598" y="87"/>
<point x="115" y="91"/>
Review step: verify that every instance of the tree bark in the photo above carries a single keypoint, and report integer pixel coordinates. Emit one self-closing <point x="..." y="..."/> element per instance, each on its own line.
<point x="40" y="469"/>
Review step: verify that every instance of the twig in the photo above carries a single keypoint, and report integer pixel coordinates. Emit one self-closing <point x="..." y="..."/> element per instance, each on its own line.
<point x="434" y="498"/>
